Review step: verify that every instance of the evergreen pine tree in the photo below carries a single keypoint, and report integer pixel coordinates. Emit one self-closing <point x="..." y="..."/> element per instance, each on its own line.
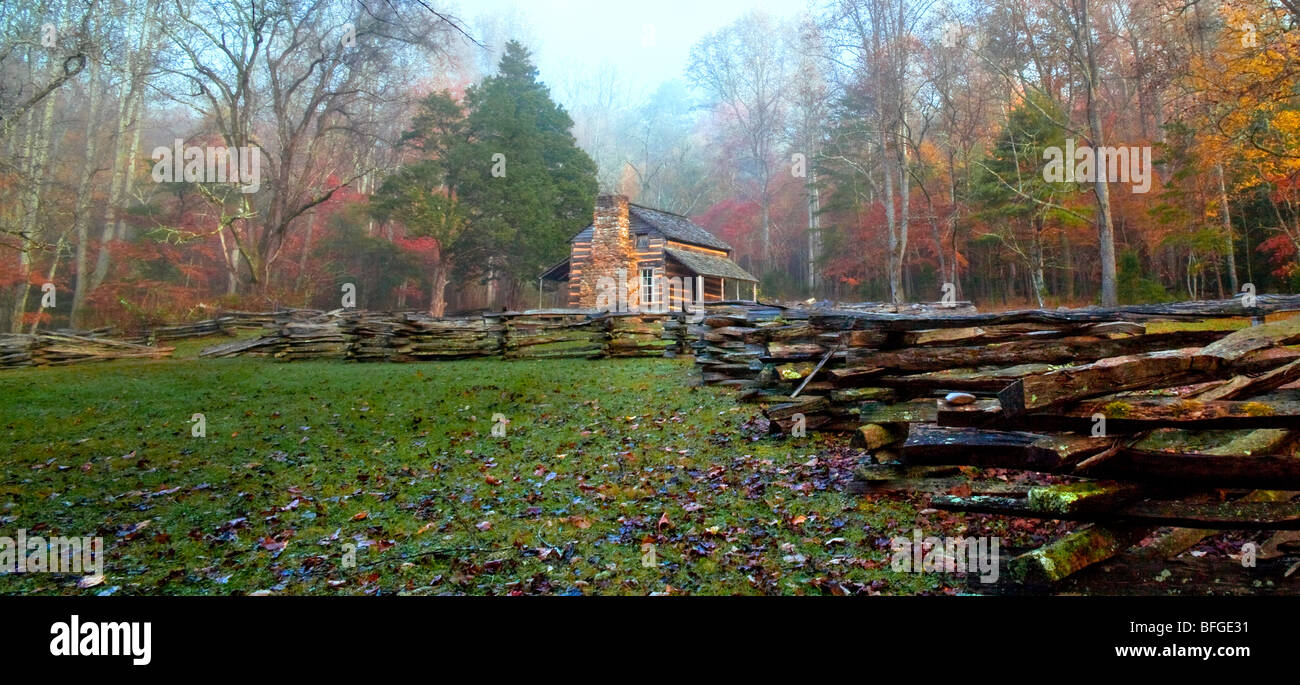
<point x="519" y="175"/>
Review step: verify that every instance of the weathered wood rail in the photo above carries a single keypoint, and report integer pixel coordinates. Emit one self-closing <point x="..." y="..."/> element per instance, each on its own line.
<point x="408" y="336"/>
<point x="1147" y="436"/>
<point x="61" y="349"/>
<point x="358" y="335"/>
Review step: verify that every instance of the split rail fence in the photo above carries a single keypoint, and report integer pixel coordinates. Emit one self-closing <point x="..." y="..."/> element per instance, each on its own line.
<point x="1161" y="437"/>
<point x="407" y="336"/>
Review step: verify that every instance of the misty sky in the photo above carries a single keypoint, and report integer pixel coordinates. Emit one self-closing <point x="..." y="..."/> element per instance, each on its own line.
<point x="647" y="42"/>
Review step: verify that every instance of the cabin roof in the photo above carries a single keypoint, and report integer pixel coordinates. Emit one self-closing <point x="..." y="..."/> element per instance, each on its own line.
<point x="558" y="271"/>
<point x="675" y="227"/>
<point x="709" y="265"/>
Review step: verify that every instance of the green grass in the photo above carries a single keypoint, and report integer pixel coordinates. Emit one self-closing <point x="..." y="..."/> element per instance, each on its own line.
<point x="305" y="463"/>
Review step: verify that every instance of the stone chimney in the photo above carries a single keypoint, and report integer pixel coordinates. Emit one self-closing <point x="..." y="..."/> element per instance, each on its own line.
<point x="613" y="247"/>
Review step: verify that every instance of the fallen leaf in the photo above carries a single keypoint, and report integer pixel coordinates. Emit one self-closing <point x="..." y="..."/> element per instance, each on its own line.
<point x="961" y="490"/>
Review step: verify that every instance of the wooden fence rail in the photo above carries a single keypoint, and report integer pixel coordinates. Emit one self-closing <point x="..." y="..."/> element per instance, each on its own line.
<point x="1137" y="430"/>
<point x="406" y="336"/>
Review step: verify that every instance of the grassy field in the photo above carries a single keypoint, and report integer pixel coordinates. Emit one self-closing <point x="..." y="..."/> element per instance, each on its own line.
<point x="334" y="478"/>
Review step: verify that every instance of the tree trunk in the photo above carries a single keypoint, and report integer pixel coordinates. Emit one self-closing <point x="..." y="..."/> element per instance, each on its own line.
<point x="895" y="267"/>
<point x="814" y="233"/>
<point x="127" y="149"/>
<point x="38" y="147"/>
<point x="1036" y="268"/>
<point x="85" y="191"/>
<point x="306" y="252"/>
<point x="1229" y="249"/>
<point x="230" y="253"/>
<point x="938" y="241"/>
<point x="1067" y="260"/>
<point x="49" y="278"/>
<point x="437" y="296"/>
<point x="899" y="257"/>
<point x="1105" y="222"/>
<point x="953" y="218"/>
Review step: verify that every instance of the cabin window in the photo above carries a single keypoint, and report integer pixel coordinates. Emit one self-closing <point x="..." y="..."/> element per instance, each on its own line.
<point x="648" y="289"/>
<point x="642" y="243"/>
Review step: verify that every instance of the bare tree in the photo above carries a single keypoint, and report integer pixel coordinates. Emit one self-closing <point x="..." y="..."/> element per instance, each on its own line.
<point x="134" y="62"/>
<point x="878" y="37"/>
<point x="809" y="119"/>
<point x="1085" y="52"/>
<point x="746" y="70"/>
<point x="1033" y="62"/>
<point x="61" y="33"/>
<point x="43" y="47"/>
<point x="292" y="79"/>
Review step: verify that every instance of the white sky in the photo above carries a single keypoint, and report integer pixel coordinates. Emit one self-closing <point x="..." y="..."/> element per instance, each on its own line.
<point x="647" y="41"/>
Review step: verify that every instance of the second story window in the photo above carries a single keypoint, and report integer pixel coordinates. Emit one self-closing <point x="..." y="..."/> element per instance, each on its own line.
<point x="642" y="243"/>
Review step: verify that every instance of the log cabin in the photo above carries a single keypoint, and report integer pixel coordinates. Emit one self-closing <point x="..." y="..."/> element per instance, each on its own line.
<point x="664" y="261"/>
